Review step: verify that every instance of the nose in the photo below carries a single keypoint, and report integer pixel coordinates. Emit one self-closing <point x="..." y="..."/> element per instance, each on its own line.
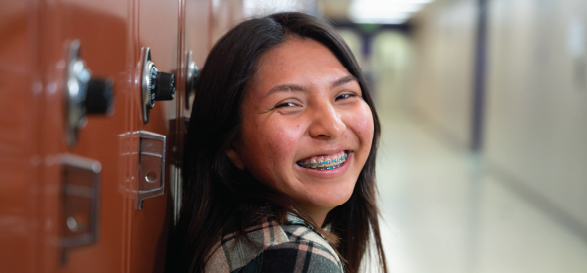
<point x="326" y="122"/>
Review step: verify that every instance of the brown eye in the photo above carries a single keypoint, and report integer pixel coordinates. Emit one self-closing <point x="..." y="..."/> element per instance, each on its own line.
<point x="345" y="96"/>
<point x="286" y="104"/>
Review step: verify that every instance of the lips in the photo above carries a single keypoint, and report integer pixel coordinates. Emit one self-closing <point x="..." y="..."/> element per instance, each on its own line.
<point x="324" y="162"/>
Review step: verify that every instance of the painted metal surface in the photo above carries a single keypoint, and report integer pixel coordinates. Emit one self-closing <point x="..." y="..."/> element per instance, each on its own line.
<point x="33" y="51"/>
<point x="19" y="149"/>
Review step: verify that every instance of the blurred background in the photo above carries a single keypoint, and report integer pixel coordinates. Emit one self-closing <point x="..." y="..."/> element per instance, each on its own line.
<point x="482" y="164"/>
<point x="483" y="158"/>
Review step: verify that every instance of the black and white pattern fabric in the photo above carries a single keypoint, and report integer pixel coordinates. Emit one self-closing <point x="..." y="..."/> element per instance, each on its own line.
<point x="295" y="247"/>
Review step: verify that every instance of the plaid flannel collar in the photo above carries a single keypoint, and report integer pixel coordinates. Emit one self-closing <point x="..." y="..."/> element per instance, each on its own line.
<point x="294" y="220"/>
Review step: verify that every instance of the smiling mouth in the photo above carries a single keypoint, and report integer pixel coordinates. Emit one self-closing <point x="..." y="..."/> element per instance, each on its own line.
<point x="323" y="163"/>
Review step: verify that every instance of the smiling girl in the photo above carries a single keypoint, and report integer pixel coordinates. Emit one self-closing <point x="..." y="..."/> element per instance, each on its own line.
<point x="279" y="166"/>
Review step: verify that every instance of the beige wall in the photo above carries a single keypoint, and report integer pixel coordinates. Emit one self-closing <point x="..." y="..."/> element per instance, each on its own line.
<point x="537" y="98"/>
<point x="391" y="62"/>
<point x="354" y="42"/>
<point x="389" y="65"/>
<point x="536" y="104"/>
<point x="443" y="75"/>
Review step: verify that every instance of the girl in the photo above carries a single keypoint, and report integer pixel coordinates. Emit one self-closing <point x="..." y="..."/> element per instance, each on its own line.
<point x="279" y="165"/>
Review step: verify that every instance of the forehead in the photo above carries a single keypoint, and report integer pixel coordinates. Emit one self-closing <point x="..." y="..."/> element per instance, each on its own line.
<point x="297" y="50"/>
<point x="299" y="61"/>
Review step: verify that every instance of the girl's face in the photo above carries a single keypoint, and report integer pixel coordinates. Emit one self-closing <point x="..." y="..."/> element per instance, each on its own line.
<point x="303" y="108"/>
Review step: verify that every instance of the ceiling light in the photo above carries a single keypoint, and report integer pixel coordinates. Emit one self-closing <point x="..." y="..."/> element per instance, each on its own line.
<point x="384" y="12"/>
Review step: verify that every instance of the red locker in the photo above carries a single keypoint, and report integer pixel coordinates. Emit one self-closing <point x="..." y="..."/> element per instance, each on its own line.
<point x="70" y="186"/>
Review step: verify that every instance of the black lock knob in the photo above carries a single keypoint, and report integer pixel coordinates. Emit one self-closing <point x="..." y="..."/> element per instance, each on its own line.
<point x="99" y="99"/>
<point x="83" y="94"/>
<point x="155" y="85"/>
<point x="165" y="89"/>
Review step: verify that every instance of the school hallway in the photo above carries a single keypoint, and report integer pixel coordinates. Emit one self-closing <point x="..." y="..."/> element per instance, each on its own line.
<point x="443" y="211"/>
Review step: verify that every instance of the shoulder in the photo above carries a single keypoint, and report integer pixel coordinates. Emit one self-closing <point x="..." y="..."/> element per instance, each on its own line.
<point x="271" y="247"/>
<point x="301" y="256"/>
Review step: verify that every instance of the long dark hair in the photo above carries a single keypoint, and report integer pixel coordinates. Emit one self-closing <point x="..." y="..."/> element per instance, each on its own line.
<point x="217" y="196"/>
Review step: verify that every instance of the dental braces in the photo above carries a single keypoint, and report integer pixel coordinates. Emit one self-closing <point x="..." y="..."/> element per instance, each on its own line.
<point x="330" y="168"/>
<point x="325" y="162"/>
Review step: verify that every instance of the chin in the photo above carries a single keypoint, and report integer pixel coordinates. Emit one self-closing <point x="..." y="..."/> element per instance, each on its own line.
<point x="333" y="201"/>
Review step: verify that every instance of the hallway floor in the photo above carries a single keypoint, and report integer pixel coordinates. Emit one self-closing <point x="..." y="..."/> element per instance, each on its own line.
<point x="443" y="213"/>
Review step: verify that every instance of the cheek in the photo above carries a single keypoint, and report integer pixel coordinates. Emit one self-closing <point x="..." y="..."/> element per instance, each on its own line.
<point x="281" y="136"/>
<point x="270" y="144"/>
<point x="285" y="138"/>
<point x="363" y="125"/>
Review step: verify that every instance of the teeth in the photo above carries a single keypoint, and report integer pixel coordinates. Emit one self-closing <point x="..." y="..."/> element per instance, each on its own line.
<point x="324" y="162"/>
<point x="327" y="161"/>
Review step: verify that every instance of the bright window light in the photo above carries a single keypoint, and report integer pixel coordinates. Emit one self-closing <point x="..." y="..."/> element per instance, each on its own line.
<point x="381" y="10"/>
<point x="387" y="21"/>
<point x="384" y="11"/>
<point x="389" y="18"/>
<point x="264" y="7"/>
<point x="379" y="2"/>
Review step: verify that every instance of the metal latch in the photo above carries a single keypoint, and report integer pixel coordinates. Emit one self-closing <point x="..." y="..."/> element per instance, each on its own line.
<point x="80" y="189"/>
<point x="151" y="166"/>
<point x="192" y="74"/>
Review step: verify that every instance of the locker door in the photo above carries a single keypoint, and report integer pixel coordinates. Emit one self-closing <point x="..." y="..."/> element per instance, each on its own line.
<point x="157" y="25"/>
<point x="196" y="42"/>
<point x="42" y="206"/>
<point x="205" y="22"/>
<point x="19" y="150"/>
<point x="102" y="30"/>
<point x="133" y="234"/>
<point x="41" y="165"/>
<point x="37" y="37"/>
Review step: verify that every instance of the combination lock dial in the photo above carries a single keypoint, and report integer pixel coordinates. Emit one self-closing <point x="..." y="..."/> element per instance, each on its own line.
<point x="155" y="86"/>
<point x="84" y="94"/>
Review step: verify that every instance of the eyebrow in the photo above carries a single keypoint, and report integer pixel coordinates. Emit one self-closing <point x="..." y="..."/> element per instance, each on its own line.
<point x="294" y="87"/>
<point x="286" y="88"/>
<point x="344" y="80"/>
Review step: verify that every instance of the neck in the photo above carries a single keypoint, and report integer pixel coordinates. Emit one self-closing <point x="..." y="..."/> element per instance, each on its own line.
<point x="317" y="214"/>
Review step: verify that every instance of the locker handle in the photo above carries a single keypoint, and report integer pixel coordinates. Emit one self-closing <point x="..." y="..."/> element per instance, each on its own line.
<point x="151" y="166"/>
<point x="80" y="200"/>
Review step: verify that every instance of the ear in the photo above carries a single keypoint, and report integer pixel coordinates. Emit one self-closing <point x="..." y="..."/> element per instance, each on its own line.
<point x="235" y="157"/>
